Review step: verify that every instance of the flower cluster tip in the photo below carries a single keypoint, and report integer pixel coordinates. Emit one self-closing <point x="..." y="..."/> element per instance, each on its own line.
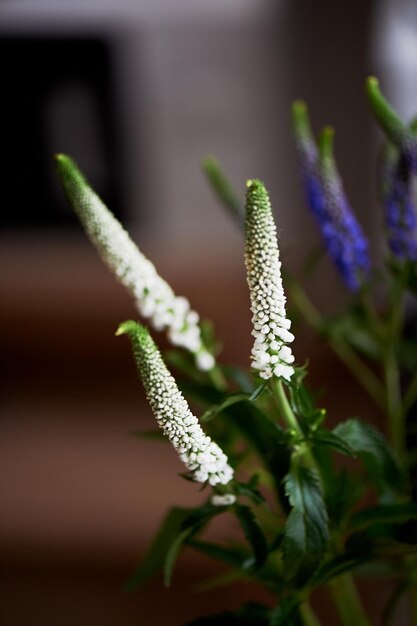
<point x="203" y="457"/>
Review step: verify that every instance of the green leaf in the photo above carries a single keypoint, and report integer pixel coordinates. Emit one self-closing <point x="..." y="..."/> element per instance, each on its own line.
<point x="306" y="533"/>
<point x="371" y="446"/>
<point x="234" y="398"/>
<point x="265" y="438"/>
<point x="335" y="567"/>
<point x="253" y="533"/>
<point x="384" y="514"/>
<point x="235" y="557"/>
<point x="286" y="613"/>
<point x="190" y="526"/>
<point x="258" y="391"/>
<point x="249" y="490"/>
<point x="344" y="490"/>
<point x="155" y="557"/>
<point x="324" y="437"/>
<point x="239" y="377"/>
<point x="174" y="552"/>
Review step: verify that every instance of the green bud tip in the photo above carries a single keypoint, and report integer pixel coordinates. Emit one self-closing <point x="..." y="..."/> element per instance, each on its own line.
<point x="300" y="118"/>
<point x="131" y="328"/>
<point x="372" y="83"/>
<point x="326" y="141"/>
<point x="255" y="184"/>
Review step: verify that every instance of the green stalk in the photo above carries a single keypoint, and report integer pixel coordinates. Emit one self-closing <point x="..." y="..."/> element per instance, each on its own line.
<point x="217" y="378"/>
<point x="343" y="588"/>
<point x="286" y="409"/>
<point x="308" y="615"/>
<point x="348" y="602"/>
<point x="393" y="397"/>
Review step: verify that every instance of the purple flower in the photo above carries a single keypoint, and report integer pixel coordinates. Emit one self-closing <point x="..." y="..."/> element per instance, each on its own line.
<point x="397" y="198"/>
<point x="342" y="234"/>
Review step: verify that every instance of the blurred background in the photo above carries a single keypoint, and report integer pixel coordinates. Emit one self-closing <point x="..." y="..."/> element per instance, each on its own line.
<point x="138" y="92"/>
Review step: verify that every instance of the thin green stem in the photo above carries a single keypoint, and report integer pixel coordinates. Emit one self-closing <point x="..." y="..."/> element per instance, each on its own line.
<point x="348" y="602"/>
<point x="286" y="409"/>
<point x="308" y="615"/>
<point x="393" y="398"/>
<point x="217" y="378"/>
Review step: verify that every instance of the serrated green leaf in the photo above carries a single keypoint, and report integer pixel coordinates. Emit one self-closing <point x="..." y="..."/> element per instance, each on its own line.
<point x="253" y="533"/>
<point x="306" y="533"/>
<point x="324" y="437"/>
<point x="371" y="446"/>
<point x="155" y="557"/>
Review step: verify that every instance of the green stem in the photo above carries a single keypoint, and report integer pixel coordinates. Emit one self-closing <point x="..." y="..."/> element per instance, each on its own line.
<point x="348" y="602"/>
<point x="217" y="378"/>
<point x="396" y="422"/>
<point x="393" y="398"/>
<point x="343" y="587"/>
<point x="286" y="409"/>
<point x="308" y="616"/>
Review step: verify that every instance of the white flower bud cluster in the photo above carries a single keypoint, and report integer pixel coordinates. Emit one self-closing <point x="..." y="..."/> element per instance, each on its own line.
<point x="270" y="354"/>
<point x="225" y="499"/>
<point x="154" y="298"/>
<point x="202" y="456"/>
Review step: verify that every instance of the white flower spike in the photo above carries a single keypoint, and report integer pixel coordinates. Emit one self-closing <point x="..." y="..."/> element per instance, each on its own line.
<point x="202" y="456"/>
<point x="154" y="298"/>
<point x="271" y="356"/>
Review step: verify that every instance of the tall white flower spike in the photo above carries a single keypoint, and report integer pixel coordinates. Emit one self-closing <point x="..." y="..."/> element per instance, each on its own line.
<point x="202" y="456"/>
<point x="271" y="356"/>
<point x="153" y="297"/>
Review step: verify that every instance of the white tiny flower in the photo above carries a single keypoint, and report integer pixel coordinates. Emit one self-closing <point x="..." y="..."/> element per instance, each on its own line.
<point x="270" y="354"/>
<point x="202" y="456"/>
<point x="222" y="500"/>
<point x="154" y="298"/>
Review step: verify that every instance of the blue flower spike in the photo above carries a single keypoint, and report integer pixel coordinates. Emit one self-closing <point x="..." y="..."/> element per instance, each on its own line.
<point x="308" y="160"/>
<point x="396" y="180"/>
<point x="345" y="240"/>
<point x="343" y="237"/>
